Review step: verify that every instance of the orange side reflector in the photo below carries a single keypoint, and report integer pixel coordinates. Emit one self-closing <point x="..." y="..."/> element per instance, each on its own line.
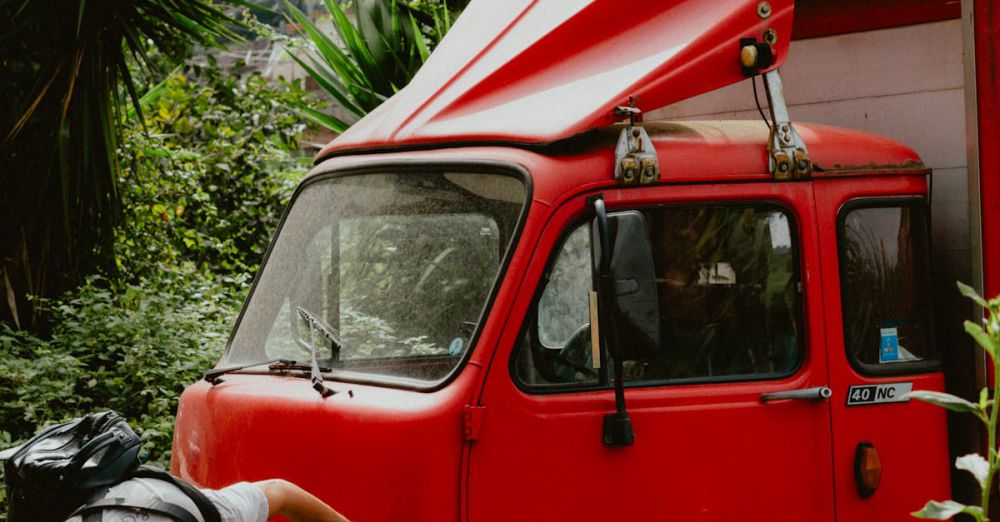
<point x="867" y="469"/>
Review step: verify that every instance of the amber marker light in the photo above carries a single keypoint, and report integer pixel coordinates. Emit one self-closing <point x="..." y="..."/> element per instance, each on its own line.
<point x="867" y="469"/>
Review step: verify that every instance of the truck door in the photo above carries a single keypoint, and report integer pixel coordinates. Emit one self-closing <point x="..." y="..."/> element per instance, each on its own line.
<point x="738" y="303"/>
<point x="881" y="346"/>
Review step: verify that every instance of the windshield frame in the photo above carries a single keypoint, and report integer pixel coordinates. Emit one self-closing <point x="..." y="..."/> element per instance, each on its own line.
<point x="403" y="167"/>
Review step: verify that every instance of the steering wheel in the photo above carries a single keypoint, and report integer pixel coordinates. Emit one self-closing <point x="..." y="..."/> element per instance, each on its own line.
<point x="432" y="268"/>
<point x="577" y="354"/>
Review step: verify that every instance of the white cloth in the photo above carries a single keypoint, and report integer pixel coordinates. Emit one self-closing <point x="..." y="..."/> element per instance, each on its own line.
<point x="241" y="502"/>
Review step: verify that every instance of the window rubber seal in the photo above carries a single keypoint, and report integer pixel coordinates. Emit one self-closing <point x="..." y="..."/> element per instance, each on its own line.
<point x="900" y="368"/>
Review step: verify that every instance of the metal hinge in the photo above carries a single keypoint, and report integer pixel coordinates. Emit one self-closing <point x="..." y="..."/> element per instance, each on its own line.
<point x="473" y="421"/>
<point x="636" y="162"/>
<point x="789" y="157"/>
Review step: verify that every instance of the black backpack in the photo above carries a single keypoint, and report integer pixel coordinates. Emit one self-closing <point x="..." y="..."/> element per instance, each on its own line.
<point x="66" y="470"/>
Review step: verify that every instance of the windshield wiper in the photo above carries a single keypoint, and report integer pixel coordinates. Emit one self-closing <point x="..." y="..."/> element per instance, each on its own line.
<point x="287" y="366"/>
<point x="214" y="376"/>
<point x="328" y="332"/>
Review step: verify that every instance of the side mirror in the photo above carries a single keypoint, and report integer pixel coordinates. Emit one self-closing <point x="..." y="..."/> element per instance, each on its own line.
<point x="636" y="309"/>
<point x="628" y="309"/>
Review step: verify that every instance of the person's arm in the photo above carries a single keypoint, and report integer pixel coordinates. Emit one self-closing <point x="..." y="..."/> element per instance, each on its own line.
<point x="296" y="504"/>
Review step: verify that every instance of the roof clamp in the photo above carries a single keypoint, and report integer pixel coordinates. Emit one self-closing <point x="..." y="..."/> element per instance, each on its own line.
<point x="788" y="155"/>
<point x="635" y="156"/>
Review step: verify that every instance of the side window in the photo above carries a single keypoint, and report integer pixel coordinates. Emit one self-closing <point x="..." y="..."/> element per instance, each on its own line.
<point x="728" y="290"/>
<point x="556" y="346"/>
<point x="563" y="308"/>
<point x="884" y="274"/>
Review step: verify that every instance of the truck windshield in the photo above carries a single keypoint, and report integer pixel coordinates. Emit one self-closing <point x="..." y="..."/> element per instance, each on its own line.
<point x="399" y="266"/>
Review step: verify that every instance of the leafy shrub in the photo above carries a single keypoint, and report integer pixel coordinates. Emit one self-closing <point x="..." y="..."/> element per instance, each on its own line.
<point x="131" y="350"/>
<point x="36" y="381"/>
<point x="203" y="184"/>
<point x="984" y="469"/>
<point x="207" y="177"/>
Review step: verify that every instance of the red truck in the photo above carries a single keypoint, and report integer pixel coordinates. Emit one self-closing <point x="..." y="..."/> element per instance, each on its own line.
<point x="504" y="295"/>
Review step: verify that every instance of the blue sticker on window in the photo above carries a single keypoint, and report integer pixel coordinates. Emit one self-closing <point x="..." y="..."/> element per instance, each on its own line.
<point x="889" y="347"/>
<point x="456" y="346"/>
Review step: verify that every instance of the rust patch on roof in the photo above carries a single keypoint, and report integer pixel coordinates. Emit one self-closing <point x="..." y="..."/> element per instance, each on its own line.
<point x="909" y="167"/>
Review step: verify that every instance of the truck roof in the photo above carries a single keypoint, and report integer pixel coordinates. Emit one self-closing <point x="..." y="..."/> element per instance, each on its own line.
<point x="700" y="150"/>
<point x="541" y="71"/>
<point x="688" y="151"/>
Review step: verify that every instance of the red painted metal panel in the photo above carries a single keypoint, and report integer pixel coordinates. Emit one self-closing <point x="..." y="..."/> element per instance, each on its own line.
<point x="537" y="71"/>
<point x="987" y="40"/>
<point x="911" y="437"/>
<point x="815" y="18"/>
<point x="375" y="453"/>
<point x="689" y="152"/>
<point x="709" y="452"/>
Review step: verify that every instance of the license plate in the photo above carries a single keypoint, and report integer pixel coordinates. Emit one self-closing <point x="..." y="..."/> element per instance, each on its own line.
<point x="878" y="393"/>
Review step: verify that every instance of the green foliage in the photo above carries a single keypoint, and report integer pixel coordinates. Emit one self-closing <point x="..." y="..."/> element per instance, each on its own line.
<point x="131" y="349"/>
<point x="434" y="17"/>
<point x="950" y="402"/>
<point x="203" y="184"/>
<point x="65" y="73"/>
<point x="35" y="380"/>
<point x="983" y="469"/>
<point x="370" y="59"/>
<point x="945" y="510"/>
<point x="209" y="175"/>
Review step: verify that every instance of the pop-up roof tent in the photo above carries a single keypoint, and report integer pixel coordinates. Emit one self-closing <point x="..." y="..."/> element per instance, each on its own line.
<point x="535" y="71"/>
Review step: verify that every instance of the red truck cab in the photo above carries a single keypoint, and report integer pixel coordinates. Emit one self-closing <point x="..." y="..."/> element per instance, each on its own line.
<point x="519" y="305"/>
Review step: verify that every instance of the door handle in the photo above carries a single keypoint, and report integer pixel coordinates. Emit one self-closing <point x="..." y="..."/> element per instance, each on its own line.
<point x="818" y="393"/>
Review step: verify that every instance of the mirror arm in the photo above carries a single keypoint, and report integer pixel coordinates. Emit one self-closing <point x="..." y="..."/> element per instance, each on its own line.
<point x="617" y="426"/>
<point x="604" y="264"/>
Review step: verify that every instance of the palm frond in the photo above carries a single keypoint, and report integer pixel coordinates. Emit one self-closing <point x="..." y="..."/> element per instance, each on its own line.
<point x="65" y="73"/>
<point x="325" y="120"/>
<point x="368" y="59"/>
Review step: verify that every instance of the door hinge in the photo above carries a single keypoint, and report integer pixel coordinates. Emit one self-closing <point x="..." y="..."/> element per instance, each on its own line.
<point x="787" y="153"/>
<point x="473" y="421"/>
<point x="636" y="162"/>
